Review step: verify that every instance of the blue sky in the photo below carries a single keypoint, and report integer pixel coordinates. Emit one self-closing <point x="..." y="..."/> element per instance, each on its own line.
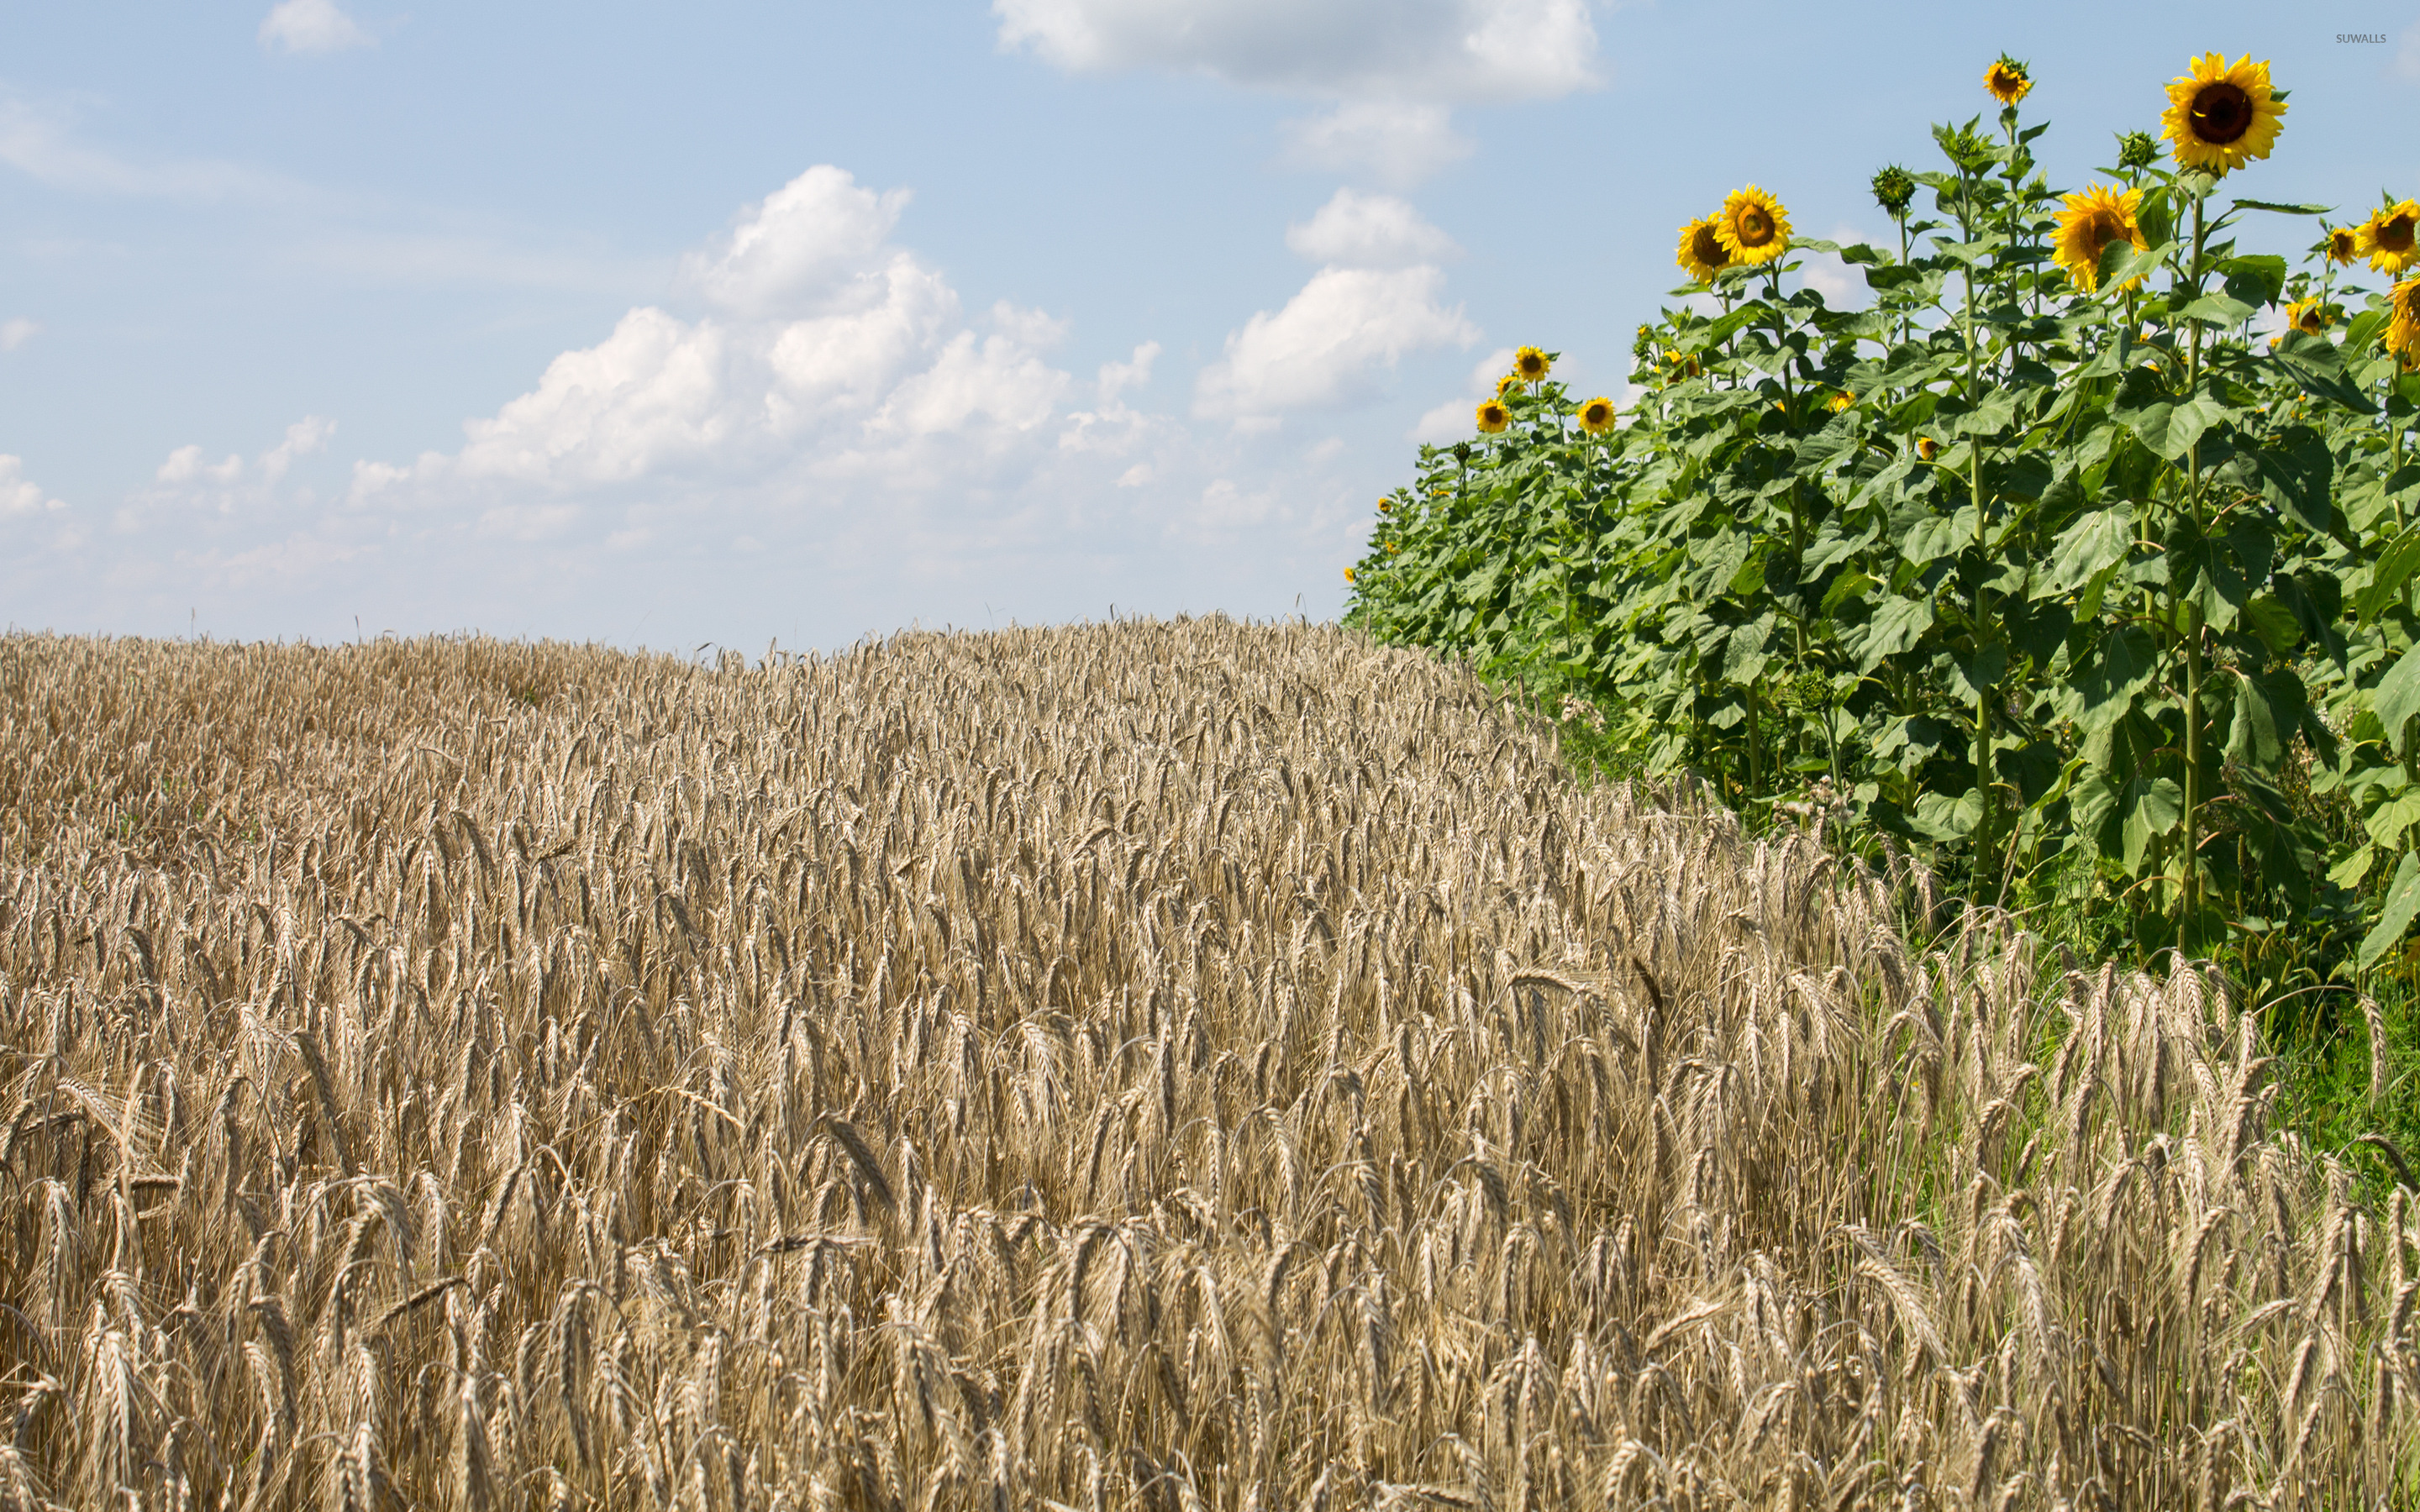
<point x="743" y="322"/>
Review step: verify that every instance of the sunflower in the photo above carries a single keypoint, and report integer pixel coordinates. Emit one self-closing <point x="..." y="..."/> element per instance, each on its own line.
<point x="1894" y="187"/>
<point x="2222" y="118"/>
<point x="1385" y="506"/>
<point x="1348" y="574"/>
<point x="2387" y="238"/>
<point x="1494" y="417"/>
<point x="2007" y="80"/>
<point x="1596" y="416"/>
<point x="1702" y="254"/>
<point x="1927" y="448"/>
<point x="1507" y="384"/>
<point x="1529" y="364"/>
<point x="2094" y="221"/>
<point x="1753" y="226"/>
<point x="2307" y="316"/>
<point x="1681" y="366"/>
<point x="2403" y="331"/>
<point x="2344" y="244"/>
<point x="1840" y="401"/>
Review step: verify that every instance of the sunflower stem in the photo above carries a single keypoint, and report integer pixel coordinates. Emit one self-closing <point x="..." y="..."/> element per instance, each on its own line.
<point x="2189" y="883"/>
<point x="1985" y="799"/>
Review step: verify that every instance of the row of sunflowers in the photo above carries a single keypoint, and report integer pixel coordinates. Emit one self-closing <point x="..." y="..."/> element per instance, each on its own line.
<point x="2081" y="559"/>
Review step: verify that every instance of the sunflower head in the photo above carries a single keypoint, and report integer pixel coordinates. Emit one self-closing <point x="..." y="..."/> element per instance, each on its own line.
<point x="2403" y="331"/>
<point x="1494" y="417"/>
<point x="1385" y="506"/>
<point x="2136" y="150"/>
<point x="1596" y="416"/>
<point x="1683" y="365"/>
<point x="1701" y="255"/>
<point x="2221" y="117"/>
<point x="1507" y="384"/>
<point x="2309" y="316"/>
<point x="1529" y="364"/>
<point x="1840" y="401"/>
<point x="1754" y="228"/>
<point x="1894" y="190"/>
<point x="1927" y="448"/>
<point x="2344" y="243"/>
<point x="2094" y="221"/>
<point x="2387" y="237"/>
<point x="1348" y="574"/>
<point x="2007" y="80"/>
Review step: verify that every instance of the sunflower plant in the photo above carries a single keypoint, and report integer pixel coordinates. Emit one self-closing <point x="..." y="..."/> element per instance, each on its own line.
<point x="2082" y="559"/>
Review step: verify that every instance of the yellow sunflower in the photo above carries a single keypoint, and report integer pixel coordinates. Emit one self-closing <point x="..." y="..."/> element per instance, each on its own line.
<point x="1596" y="416"/>
<point x="2094" y="221"/>
<point x="1927" y="448"/>
<point x="1681" y="366"/>
<point x="2221" y="117"/>
<point x="2344" y="243"/>
<point x="1702" y="254"/>
<point x="1754" y="227"/>
<point x="2007" y="80"/>
<point x="1494" y="417"/>
<point x="1348" y="574"/>
<point x="1385" y="506"/>
<point x="1529" y="364"/>
<point x="2308" y="315"/>
<point x="2387" y="238"/>
<point x="1840" y="401"/>
<point x="2403" y="331"/>
<point x="1507" y="384"/>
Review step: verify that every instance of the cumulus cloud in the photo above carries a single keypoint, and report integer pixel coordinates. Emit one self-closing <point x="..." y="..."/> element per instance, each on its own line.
<point x="1453" y="421"/>
<point x="817" y="244"/>
<point x="311" y="26"/>
<point x="1331" y="343"/>
<point x="1368" y="231"/>
<point x="21" y="495"/>
<point x="306" y="436"/>
<point x="185" y="465"/>
<point x="17" y="333"/>
<point x="1454" y="49"/>
<point x="1395" y="141"/>
<point x="828" y="350"/>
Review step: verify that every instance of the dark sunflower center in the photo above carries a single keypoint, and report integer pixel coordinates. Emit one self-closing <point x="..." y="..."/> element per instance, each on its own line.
<point x="1708" y="247"/>
<point x="2107" y="230"/>
<point x="2395" y="235"/>
<point x="1754" y="228"/>
<point x="2221" y="112"/>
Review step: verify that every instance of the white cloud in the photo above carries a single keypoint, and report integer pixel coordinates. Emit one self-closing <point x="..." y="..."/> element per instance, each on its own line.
<point x="306" y="436"/>
<point x="185" y="465"/>
<point x="19" y="495"/>
<point x="1368" y="231"/>
<point x="17" y="333"/>
<point x="1450" y="50"/>
<point x="1326" y="347"/>
<point x="830" y="352"/>
<point x="1453" y="421"/>
<point x="1398" y="142"/>
<point x="312" y="26"/>
<point x="41" y="144"/>
<point x="813" y="246"/>
<point x="1117" y="378"/>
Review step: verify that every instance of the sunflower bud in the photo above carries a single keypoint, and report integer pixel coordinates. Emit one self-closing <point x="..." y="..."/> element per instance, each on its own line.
<point x="2136" y="150"/>
<point x="1894" y="188"/>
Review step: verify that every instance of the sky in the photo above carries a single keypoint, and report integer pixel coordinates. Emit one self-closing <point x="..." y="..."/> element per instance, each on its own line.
<point x="756" y="325"/>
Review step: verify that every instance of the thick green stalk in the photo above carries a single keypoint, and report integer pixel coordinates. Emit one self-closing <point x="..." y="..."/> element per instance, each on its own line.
<point x="2189" y="888"/>
<point x="1982" y="602"/>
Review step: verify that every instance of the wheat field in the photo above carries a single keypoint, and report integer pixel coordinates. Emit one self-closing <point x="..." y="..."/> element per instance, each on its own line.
<point x="1165" y="1065"/>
